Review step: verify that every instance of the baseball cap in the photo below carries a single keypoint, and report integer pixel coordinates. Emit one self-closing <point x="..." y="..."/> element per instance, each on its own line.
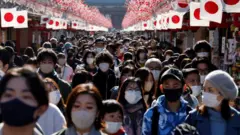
<point x="174" y="73"/>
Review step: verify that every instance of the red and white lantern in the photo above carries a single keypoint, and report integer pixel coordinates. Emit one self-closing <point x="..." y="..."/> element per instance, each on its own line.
<point x="211" y="10"/>
<point x="195" y="16"/>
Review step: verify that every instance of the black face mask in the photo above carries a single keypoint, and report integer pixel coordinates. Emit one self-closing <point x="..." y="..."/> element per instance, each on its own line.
<point x="172" y="95"/>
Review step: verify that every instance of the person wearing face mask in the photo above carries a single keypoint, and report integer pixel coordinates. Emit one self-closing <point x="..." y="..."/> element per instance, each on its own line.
<point x="47" y="60"/>
<point x="23" y="99"/>
<point x="105" y="78"/>
<point x="83" y="108"/>
<point x="54" y="94"/>
<point x="112" y="116"/>
<point x="88" y="62"/>
<point x="203" y="66"/>
<point x="127" y="71"/>
<point x="204" y="50"/>
<point x="170" y="109"/>
<point x="192" y="81"/>
<point x="100" y="44"/>
<point x="53" y="119"/>
<point x="216" y="116"/>
<point x="148" y="84"/>
<point x="131" y="97"/>
<point x="155" y="65"/>
<point x="66" y="71"/>
<point x="141" y="57"/>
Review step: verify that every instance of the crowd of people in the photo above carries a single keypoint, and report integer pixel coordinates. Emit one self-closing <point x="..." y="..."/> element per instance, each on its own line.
<point x="115" y="85"/>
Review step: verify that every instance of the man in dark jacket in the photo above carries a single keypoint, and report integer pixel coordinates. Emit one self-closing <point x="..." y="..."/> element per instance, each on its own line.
<point x="105" y="78"/>
<point x="47" y="60"/>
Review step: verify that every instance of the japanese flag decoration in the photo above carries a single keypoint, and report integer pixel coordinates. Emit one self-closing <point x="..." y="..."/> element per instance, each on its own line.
<point x="211" y="10"/>
<point x="159" y="22"/>
<point x="21" y="19"/>
<point x="175" y="20"/>
<point x="180" y="6"/>
<point x="64" y="24"/>
<point x="231" y="6"/>
<point x="44" y="19"/>
<point x="56" y="25"/>
<point x="50" y="23"/>
<point x="74" y="25"/>
<point x="195" y="15"/>
<point x="8" y="17"/>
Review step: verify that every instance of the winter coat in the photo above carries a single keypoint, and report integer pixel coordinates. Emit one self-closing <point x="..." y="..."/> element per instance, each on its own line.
<point x="167" y="120"/>
<point x="202" y="123"/>
<point x="133" y="118"/>
<point x="104" y="82"/>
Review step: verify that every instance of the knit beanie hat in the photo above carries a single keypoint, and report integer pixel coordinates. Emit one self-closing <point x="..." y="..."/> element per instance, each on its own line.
<point x="224" y="83"/>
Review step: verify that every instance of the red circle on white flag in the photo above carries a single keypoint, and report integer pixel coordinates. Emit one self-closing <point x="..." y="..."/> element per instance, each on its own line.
<point x="57" y="23"/>
<point x="155" y="23"/>
<point x="20" y="19"/>
<point x="145" y="25"/>
<point x="175" y="19"/>
<point x="182" y="5"/>
<point x="74" y="24"/>
<point x="211" y="7"/>
<point x="8" y="17"/>
<point x="231" y="2"/>
<point x="196" y="13"/>
<point x="50" y="22"/>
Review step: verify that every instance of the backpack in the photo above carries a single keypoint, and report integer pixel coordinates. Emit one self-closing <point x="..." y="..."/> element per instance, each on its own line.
<point x="155" y="118"/>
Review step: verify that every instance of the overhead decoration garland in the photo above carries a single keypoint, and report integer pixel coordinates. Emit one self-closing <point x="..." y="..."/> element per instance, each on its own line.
<point x="70" y="9"/>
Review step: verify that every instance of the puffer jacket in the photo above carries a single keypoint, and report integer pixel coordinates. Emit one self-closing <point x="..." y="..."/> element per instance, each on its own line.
<point x="202" y="123"/>
<point x="167" y="120"/>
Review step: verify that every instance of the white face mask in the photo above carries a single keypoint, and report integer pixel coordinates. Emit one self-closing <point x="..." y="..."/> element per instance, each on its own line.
<point x="46" y="68"/>
<point x="90" y="61"/>
<point x="210" y="100"/>
<point x="132" y="96"/>
<point x="113" y="127"/>
<point x="99" y="49"/>
<point x="61" y="62"/>
<point x="122" y="50"/>
<point x="83" y="119"/>
<point x="167" y="57"/>
<point x="148" y="86"/>
<point x="156" y="74"/>
<point x="196" y="90"/>
<point x="54" y="97"/>
<point x="202" y="78"/>
<point x="104" y="67"/>
<point x="202" y="54"/>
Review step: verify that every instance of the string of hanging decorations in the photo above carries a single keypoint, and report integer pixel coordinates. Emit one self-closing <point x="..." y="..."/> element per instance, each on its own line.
<point x="69" y="9"/>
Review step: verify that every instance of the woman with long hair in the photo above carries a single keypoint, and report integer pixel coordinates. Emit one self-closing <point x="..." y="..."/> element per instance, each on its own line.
<point x="131" y="97"/>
